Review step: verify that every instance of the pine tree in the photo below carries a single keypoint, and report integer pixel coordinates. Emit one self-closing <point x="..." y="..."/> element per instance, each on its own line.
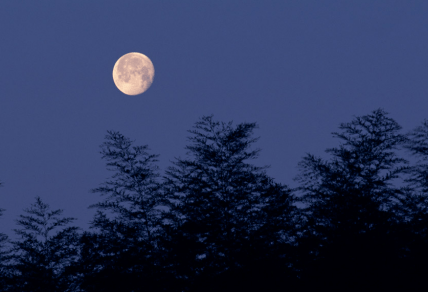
<point x="5" y="276"/>
<point x="412" y="211"/>
<point x="44" y="252"/>
<point x="351" y="206"/>
<point x="220" y="203"/>
<point x="417" y="145"/>
<point x="128" y="221"/>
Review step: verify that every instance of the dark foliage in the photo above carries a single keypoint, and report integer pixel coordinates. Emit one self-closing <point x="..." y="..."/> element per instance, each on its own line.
<point x="216" y="222"/>
<point x="128" y="222"/>
<point x="44" y="253"/>
<point x="355" y="238"/>
<point x="415" y="201"/>
<point x="225" y="211"/>
<point x="5" y="277"/>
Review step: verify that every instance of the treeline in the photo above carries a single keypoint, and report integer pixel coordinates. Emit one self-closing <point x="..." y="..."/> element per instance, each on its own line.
<point x="216" y="222"/>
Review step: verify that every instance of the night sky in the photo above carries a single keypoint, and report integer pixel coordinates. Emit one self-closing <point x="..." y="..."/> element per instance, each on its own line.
<point x="297" y="68"/>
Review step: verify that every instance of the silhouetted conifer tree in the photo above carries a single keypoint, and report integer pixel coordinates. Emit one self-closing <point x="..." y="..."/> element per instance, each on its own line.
<point x="412" y="213"/>
<point x="44" y="252"/>
<point x="417" y="144"/>
<point x="220" y="204"/>
<point x="5" y="272"/>
<point x="352" y="235"/>
<point x="128" y="221"/>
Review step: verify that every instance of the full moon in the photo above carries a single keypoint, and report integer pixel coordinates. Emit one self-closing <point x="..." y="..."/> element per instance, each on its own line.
<point x="133" y="73"/>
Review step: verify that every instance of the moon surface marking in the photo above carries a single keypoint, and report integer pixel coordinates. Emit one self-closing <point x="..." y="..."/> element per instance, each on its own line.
<point x="133" y="73"/>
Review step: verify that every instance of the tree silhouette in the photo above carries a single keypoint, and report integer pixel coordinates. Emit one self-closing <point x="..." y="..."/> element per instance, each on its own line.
<point x="352" y="199"/>
<point x="217" y="222"/>
<point x="413" y="210"/>
<point x="219" y="202"/>
<point x="417" y="144"/>
<point x="128" y="220"/>
<point x="4" y="269"/>
<point x="44" y="253"/>
<point x="5" y="272"/>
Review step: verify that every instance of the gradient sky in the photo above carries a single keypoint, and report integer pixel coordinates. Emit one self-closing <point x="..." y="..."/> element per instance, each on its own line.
<point x="297" y="68"/>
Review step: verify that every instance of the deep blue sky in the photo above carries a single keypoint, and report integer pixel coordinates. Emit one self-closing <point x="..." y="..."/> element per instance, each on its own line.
<point x="297" y="68"/>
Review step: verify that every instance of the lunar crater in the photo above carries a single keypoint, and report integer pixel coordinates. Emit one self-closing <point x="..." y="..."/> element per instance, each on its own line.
<point x="133" y="73"/>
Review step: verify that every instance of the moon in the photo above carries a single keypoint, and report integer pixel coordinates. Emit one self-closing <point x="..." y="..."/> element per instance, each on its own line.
<point x="133" y="73"/>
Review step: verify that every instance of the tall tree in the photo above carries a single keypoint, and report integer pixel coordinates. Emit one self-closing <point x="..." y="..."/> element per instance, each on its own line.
<point x="351" y="203"/>
<point x="4" y="260"/>
<point x="412" y="211"/>
<point x="417" y="144"/>
<point x="45" y="251"/>
<point x="128" y="220"/>
<point x="219" y="202"/>
<point x="4" y="269"/>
